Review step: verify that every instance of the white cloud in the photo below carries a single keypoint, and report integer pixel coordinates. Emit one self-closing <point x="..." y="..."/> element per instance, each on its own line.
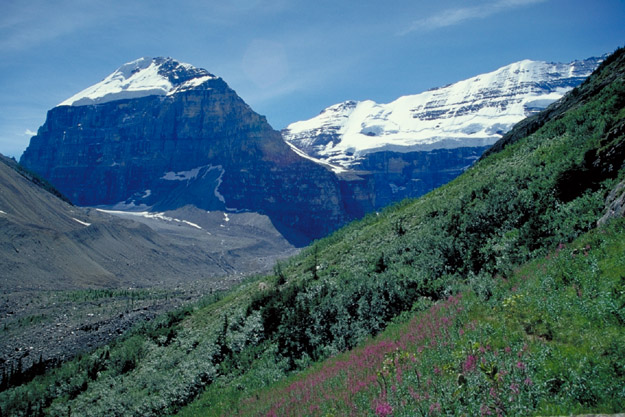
<point x="450" y="17"/>
<point x="29" y="132"/>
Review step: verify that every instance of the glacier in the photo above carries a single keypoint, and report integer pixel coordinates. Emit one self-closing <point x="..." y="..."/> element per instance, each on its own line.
<point x="475" y="112"/>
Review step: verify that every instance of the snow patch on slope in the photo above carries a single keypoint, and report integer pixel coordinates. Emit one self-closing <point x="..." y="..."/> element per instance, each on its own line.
<point x="195" y="173"/>
<point x="335" y="168"/>
<point x="81" y="222"/>
<point x="182" y="175"/>
<point x="150" y="215"/>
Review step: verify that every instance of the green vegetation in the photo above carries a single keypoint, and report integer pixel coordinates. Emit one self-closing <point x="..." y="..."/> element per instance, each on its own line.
<point x="482" y="322"/>
<point x="107" y="293"/>
<point x="548" y="340"/>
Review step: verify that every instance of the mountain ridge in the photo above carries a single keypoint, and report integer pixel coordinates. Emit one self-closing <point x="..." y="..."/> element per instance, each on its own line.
<point x="456" y="115"/>
<point x="383" y="153"/>
<point x="128" y="137"/>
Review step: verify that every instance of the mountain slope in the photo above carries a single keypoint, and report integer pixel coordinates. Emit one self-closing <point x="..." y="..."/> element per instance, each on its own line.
<point x="467" y="236"/>
<point x="512" y="352"/>
<point x="163" y="135"/>
<point x="52" y="252"/>
<point x="516" y="205"/>
<point x="49" y="244"/>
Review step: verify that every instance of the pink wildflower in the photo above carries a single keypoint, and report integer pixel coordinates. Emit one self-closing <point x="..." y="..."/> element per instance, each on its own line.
<point x="485" y="410"/>
<point x="383" y="409"/>
<point x="414" y="394"/>
<point x="514" y="388"/>
<point x="435" y="408"/>
<point x="520" y="365"/>
<point x="469" y="363"/>
<point x="528" y="381"/>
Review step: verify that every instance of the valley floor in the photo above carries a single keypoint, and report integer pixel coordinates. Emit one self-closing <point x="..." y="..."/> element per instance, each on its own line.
<point x="41" y="329"/>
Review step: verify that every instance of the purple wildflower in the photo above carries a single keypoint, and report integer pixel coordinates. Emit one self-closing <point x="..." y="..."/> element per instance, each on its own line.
<point x="383" y="409"/>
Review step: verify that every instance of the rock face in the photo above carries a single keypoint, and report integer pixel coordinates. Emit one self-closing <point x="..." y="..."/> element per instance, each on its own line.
<point x="384" y="178"/>
<point x="615" y="204"/>
<point x="419" y="142"/>
<point x="164" y="134"/>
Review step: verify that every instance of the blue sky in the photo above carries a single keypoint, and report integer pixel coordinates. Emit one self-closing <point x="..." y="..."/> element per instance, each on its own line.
<point x="288" y="59"/>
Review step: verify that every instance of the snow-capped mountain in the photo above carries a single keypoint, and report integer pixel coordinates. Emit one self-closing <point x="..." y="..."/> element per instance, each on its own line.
<point x="472" y="113"/>
<point x="140" y="78"/>
<point x="162" y="135"/>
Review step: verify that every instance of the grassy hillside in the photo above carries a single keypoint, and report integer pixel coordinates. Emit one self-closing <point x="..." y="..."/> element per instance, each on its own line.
<point x="444" y="267"/>
<point x="548" y="340"/>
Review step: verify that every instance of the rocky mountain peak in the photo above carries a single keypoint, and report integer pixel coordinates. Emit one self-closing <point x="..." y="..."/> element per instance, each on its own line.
<point x="140" y="78"/>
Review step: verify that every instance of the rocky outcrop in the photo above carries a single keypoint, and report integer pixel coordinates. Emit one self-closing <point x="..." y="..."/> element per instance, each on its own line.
<point x="383" y="178"/>
<point x="200" y="146"/>
<point x="614" y="204"/>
